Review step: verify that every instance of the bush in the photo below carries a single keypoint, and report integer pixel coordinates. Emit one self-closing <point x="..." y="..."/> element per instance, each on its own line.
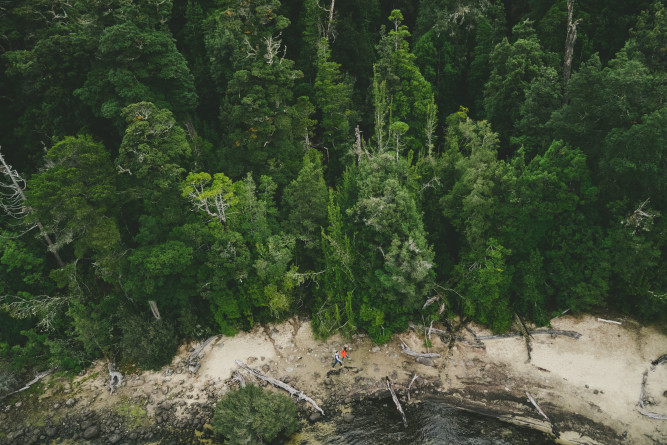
<point x="252" y="415"/>
<point x="151" y="344"/>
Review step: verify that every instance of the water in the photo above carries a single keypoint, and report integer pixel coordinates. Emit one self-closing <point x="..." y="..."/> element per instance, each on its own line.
<point x="429" y="422"/>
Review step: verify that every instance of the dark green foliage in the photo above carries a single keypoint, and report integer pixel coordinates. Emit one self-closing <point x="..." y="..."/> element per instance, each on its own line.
<point x="149" y="343"/>
<point x="252" y="415"/>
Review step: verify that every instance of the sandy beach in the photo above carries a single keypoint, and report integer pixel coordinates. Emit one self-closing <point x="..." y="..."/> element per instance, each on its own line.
<point x="588" y="387"/>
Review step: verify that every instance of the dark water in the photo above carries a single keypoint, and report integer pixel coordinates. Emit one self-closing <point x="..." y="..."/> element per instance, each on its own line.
<point x="429" y="422"/>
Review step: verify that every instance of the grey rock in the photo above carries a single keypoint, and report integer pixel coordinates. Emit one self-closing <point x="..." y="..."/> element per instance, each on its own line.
<point x="348" y="417"/>
<point x="315" y="417"/>
<point x="86" y="424"/>
<point x="70" y="402"/>
<point x="50" y="431"/>
<point x="91" y="432"/>
<point x="425" y="361"/>
<point x="114" y="438"/>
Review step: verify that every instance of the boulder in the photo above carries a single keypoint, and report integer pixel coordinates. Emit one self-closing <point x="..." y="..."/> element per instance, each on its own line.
<point x="91" y="432"/>
<point x="114" y="438"/>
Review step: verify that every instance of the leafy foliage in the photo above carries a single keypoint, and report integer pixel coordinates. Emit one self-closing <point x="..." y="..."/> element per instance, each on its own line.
<point x="253" y="415"/>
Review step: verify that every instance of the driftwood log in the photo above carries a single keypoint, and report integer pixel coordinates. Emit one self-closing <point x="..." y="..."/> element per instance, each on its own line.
<point x="406" y="350"/>
<point x="299" y="394"/>
<point x="609" y="321"/>
<point x="410" y="385"/>
<point x="553" y="332"/>
<point x="642" y="409"/>
<point x="195" y="357"/>
<point x="398" y="404"/>
<point x="537" y="407"/>
<point x="37" y="378"/>
<point x="659" y="360"/>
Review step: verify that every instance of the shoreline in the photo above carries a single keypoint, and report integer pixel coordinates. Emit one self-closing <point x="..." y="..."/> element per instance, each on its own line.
<point x="588" y="387"/>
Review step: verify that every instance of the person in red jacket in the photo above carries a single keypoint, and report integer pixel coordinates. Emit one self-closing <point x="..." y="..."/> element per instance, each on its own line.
<point x="343" y="354"/>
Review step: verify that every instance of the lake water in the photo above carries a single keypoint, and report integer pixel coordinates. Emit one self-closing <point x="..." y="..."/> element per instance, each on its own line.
<point x="429" y="422"/>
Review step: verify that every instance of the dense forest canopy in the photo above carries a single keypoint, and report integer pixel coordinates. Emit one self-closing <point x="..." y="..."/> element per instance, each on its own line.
<point x="176" y="168"/>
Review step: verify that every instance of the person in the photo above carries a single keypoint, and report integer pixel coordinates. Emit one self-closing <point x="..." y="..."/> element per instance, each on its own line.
<point x="337" y="360"/>
<point x="343" y="354"/>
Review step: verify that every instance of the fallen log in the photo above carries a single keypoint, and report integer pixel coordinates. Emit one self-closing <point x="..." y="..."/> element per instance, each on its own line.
<point x="537" y="407"/>
<point x="609" y="321"/>
<point x="651" y="415"/>
<point x="194" y="360"/>
<point x="398" y="404"/>
<point x="410" y="385"/>
<point x="525" y="333"/>
<point x="412" y="353"/>
<point x="299" y="394"/>
<point x="642" y="393"/>
<point x="659" y="360"/>
<point x="37" y="378"/>
<point x="572" y="334"/>
<point x="239" y="378"/>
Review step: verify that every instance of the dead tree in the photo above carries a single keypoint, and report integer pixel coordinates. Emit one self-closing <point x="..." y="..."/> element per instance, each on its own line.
<point x="395" y="399"/>
<point x="410" y="385"/>
<point x="193" y="360"/>
<point x="154" y="310"/>
<point x="299" y="394"/>
<point x="410" y="352"/>
<point x="537" y="407"/>
<point x="13" y="202"/>
<point x="115" y="378"/>
<point x="569" y="42"/>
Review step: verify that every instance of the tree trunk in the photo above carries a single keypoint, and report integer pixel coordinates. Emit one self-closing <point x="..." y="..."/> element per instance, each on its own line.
<point x="299" y="394"/>
<point x="12" y="174"/>
<point x="398" y="404"/>
<point x="569" y="42"/>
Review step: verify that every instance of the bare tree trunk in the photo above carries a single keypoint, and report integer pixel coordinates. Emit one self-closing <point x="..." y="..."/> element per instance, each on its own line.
<point x="330" y="23"/>
<point x="398" y="404"/>
<point x="154" y="310"/>
<point x="115" y="378"/>
<point x="299" y="394"/>
<point x="569" y="42"/>
<point x="13" y="175"/>
<point x="407" y="350"/>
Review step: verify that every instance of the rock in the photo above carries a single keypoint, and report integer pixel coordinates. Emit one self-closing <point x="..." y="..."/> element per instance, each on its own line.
<point x="86" y="424"/>
<point x="91" y="432"/>
<point x="289" y="369"/>
<point x="595" y="391"/>
<point x="114" y="438"/>
<point x="348" y="417"/>
<point x="50" y="431"/>
<point x="315" y="417"/>
<point x="165" y="390"/>
<point x="70" y="402"/>
<point x="265" y="368"/>
<point x="251" y="360"/>
<point x="375" y="349"/>
<point x="425" y="361"/>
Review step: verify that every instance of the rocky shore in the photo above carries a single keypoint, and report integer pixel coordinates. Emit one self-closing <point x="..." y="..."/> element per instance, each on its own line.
<point x="588" y="387"/>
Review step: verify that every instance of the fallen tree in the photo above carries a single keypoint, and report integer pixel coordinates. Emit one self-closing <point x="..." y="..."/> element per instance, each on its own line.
<point x="398" y="404"/>
<point x="406" y="350"/>
<point x="194" y="359"/>
<point x="552" y="332"/>
<point x="299" y="394"/>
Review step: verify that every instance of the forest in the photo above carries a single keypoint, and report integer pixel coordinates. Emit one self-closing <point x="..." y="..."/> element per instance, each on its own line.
<point x="174" y="169"/>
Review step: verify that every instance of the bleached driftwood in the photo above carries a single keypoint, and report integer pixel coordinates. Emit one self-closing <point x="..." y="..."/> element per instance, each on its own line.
<point x="609" y="321"/>
<point x="37" y="378"/>
<point x="642" y="409"/>
<point x="398" y="404"/>
<point x="537" y="407"/>
<point x="407" y="350"/>
<point x="651" y="415"/>
<point x="239" y="378"/>
<point x="661" y="359"/>
<point x="410" y="385"/>
<point x="572" y="334"/>
<point x="193" y="361"/>
<point x="299" y="394"/>
<point x="115" y="378"/>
